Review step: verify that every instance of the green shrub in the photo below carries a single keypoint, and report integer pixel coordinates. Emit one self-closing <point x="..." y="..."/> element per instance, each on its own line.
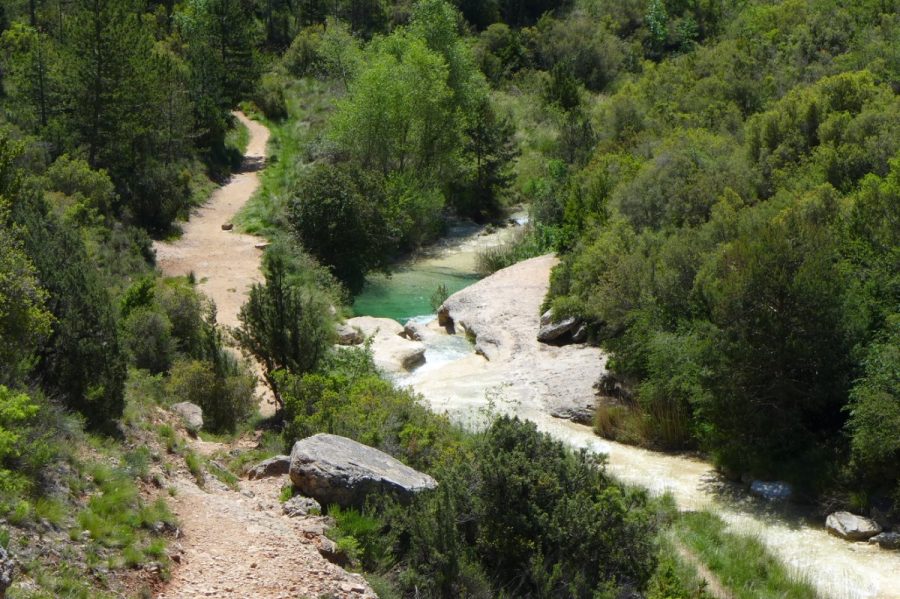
<point x="227" y="399"/>
<point x="147" y="337"/>
<point x="284" y="325"/>
<point x="17" y="412"/>
<point x="269" y="95"/>
<point x="302" y="58"/>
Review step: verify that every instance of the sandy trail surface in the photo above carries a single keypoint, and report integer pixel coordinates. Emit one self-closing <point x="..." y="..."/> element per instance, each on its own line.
<point x="517" y="375"/>
<point x="239" y="545"/>
<point x="225" y="263"/>
<point x="236" y="543"/>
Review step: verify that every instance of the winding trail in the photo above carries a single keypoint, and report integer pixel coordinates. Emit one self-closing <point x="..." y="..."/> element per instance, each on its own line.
<point x="237" y="543"/>
<point x="517" y="375"/>
<point x="225" y="263"/>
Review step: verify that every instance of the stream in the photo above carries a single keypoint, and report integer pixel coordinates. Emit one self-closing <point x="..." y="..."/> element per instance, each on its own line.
<point x="468" y="388"/>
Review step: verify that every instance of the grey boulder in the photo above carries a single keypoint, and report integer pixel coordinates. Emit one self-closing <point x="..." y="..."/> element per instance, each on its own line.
<point x="555" y="331"/>
<point x="337" y="470"/>
<point x="191" y="414"/>
<point x="277" y="466"/>
<point x="851" y="527"/>
<point x="300" y="506"/>
<point x="348" y="335"/>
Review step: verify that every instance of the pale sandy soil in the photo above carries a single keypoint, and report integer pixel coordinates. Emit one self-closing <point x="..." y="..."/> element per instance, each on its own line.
<point x="238" y="544"/>
<point x="526" y="378"/>
<point x="225" y="263"/>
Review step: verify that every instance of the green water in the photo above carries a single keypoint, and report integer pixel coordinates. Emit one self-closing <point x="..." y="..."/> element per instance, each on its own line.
<point x="450" y="262"/>
<point x="407" y="293"/>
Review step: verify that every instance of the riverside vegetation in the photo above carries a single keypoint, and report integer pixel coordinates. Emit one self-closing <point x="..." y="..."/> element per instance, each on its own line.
<point x="720" y="179"/>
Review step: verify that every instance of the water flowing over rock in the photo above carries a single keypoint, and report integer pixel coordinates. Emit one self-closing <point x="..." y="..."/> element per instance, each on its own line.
<point x="502" y="313"/>
<point x="851" y="527"/>
<point x="337" y="470"/>
<point x="276" y="466"/>
<point x="191" y="413"/>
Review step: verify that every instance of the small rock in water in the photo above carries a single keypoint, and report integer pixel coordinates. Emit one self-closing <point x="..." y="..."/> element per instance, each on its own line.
<point x="887" y="540"/>
<point x="772" y="491"/>
<point x="851" y="527"/>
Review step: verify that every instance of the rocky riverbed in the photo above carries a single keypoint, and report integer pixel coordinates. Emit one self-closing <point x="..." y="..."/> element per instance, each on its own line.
<point x="494" y="364"/>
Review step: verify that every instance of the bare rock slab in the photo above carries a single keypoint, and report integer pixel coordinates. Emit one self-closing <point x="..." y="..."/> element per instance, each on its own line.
<point x="392" y="352"/>
<point x="851" y="527"/>
<point x="276" y="466"/>
<point x="336" y="470"/>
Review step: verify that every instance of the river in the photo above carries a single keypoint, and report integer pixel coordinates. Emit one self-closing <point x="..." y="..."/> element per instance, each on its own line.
<point x="469" y="388"/>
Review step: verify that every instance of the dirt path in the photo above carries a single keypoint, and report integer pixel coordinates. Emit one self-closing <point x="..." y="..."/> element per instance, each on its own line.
<point x="239" y="545"/>
<point x="225" y="263"/>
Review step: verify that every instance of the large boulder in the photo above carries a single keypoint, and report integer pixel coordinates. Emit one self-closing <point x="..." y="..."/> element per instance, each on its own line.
<point x="276" y="466"/>
<point x="337" y="470"/>
<point x="851" y="527"/>
<point x="392" y="352"/>
<point x="191" y="414"/>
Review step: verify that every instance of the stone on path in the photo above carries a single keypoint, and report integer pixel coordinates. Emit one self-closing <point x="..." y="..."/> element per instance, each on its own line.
<point x="275" y="466"/>
<point x="337" y="470"/>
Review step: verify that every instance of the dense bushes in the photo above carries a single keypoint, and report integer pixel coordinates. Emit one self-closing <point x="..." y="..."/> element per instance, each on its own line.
<point x="515" y="512"/>
<point x="724" y="245"/>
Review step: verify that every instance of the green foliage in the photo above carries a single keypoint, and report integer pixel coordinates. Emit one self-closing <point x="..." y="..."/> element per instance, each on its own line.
<point x="269" y="95"/>
<point x="226" y="397"/>
<point x="17" y="411"/>
<point x="505" y="507"/>
<point x="875" y="412"/>
<point x="283" y="325"/>
<point x="82" y="361"/>
<point x="347" y="397"/>
<point x="147" y="336"/>
<point x="741" y="563"/>
<point x="338" y="215"/>
<point x="24" y="319"/>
